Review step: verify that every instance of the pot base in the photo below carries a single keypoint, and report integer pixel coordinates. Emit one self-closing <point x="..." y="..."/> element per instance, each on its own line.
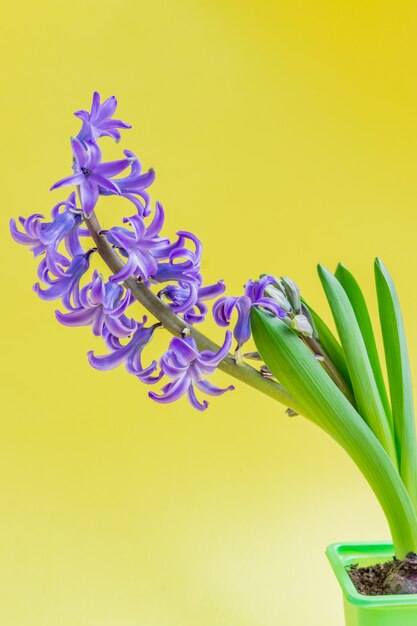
<point x="361" y="610"/>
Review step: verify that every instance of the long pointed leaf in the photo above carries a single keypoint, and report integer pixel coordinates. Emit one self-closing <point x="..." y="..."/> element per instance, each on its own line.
<point x="293" y="363"/>
<point x="399" y="376"/>
<point x="357" y="300"/>
<point x="367" y="396"/>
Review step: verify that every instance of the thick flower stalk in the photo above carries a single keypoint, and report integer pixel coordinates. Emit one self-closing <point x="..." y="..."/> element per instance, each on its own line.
<point x="336" y="382"/>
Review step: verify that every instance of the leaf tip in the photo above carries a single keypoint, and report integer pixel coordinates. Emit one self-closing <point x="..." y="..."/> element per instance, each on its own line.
<point x="324" y="273"/>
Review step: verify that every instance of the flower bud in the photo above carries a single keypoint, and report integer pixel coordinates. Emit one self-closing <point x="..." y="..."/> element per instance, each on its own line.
<point x="306" y="312"/>
<point x="292" y="292"/>
<point x="301" y="324"/>
<point x="279" y="297"/>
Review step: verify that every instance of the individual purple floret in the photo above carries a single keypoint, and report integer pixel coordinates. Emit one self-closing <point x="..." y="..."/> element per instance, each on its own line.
<point x="103" y="306"/>
<point x="45" y="237"/>
<point x="66" y="286"/>
<point x="181" y="299"/>
<point x="142" y="246"/>
<point x="253" y="296"/>
<point x="186" y="366"/>
<point x="98" y="122"/>
<point x="134" y="185"/>
<point x="90" y="175"/>
<point x="183" y="267"/>
<point x="130" y="354"/>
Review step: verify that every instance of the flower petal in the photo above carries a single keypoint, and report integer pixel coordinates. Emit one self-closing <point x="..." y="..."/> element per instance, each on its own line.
<point x="172" y="391"/>
<point x="210" y="389"/>
<point x="88" y="195"/>
<point x="112" y="168"/>
<point x="200" y="406"/>
<point x="74" y="179"/>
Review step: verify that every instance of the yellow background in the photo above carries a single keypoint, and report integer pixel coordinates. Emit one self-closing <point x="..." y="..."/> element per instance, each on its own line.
<point x="283" y="134"/>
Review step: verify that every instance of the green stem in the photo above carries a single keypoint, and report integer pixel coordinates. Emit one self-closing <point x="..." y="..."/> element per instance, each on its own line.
<point x="334" y="374"/>
<point x="176" y="326"/>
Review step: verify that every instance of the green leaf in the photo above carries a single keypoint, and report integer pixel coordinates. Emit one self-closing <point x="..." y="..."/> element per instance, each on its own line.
<point x="357" y="300"/>
<point x="293" y="363"/>
<point x="366" y="391"/>
<point x="399" y="377"/>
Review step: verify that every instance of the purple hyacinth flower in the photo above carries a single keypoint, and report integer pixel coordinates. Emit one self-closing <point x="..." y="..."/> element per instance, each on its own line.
<point x="102" y="306"/>
<point x="253" y="296"/>
<point x="98" y="122"/>
<point x="142" y="246"/>
<point x="187" y="367"/>
<point x="180" y="299"/>
<point x="134" y="185"/>
<point x="66" y="286"/>
<point x="45" y="237"/>
<point x="183" y="268"/>
<point x="90" y="175"/>
<point x="129" y="354"/>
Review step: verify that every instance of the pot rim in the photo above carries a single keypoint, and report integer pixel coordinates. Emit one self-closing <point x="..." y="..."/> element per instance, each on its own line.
<point x="342" y="554"/>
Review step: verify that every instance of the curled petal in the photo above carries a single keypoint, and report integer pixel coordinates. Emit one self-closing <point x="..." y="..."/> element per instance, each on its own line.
<point x="171" y="367"/>
<point x="223" y="309"/>
<point x="109" y="361"/>
<point x="212" y="359"/>
<point x="124" y="273"/>
<point x="172" y="391"/>
<point x="183" y="350"/>
<point x="78" y="317"/>
<point x="211" y="291"/>
<point x="210" y="389"/>
<point x="273" y="307"/>
<point x="200" y="406"/>
<point x="121" y="327"/>
<point x="242" y="329"/>
<point x="157" y="223"/>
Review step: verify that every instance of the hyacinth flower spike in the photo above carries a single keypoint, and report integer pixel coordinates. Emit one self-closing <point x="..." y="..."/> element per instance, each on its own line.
<point x="187" y="367"/>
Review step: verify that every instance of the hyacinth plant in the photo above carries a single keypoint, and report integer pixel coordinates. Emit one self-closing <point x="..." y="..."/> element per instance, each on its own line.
<point x="337" y="382"/>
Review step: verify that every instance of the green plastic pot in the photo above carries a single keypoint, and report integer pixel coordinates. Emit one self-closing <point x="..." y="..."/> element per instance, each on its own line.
<point x="360" y="610"/>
